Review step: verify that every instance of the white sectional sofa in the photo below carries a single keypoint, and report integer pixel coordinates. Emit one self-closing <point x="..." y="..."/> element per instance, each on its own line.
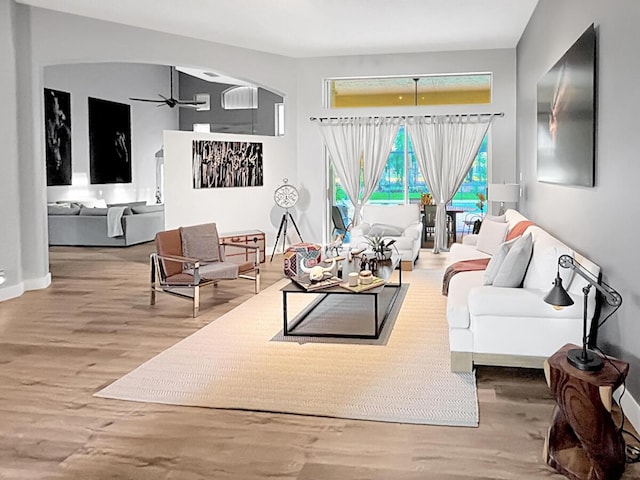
<point x="505" y="326"/>
<point x="399" y="222"/>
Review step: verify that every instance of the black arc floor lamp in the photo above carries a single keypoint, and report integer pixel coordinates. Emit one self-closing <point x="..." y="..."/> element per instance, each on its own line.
<point x="581" y="358"/>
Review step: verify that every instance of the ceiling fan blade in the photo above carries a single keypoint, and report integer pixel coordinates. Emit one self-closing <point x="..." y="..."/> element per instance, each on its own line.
<point x="195" y="103"/>
<point x="172" y="102"/>
<point x="146" y="100"/>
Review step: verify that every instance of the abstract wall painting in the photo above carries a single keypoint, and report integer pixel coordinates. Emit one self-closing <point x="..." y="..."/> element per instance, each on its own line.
<point x="219" y="164"/>
<point x="567" y="116"/>
<point x="109" y="141"/>
<point x="57" y="127"/>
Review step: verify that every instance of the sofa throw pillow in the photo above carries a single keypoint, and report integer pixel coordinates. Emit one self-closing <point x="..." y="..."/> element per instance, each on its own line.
<point x="93" y="212"/>
<point x="496" y="262"/>
<point x="147" y="208"/>
<point x="59" y="210"/>
<point x="491" y="236"/>
<point x="385" y="230"/>
<point x="201" y="242"/>
<point x="96" y="203"/>
<point x="514" y="266"/>
<point x="137" y="203"/>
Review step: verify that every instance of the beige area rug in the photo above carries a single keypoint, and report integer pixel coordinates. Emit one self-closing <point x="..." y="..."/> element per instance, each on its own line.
<point x="240" y="361"/>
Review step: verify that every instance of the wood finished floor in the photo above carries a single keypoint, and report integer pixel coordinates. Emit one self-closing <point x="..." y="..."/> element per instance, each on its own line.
<point x="60" y="345"/>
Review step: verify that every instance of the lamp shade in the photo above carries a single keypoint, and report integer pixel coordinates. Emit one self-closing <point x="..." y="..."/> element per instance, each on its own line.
<point x="503" y="192"/>
<point x="558" y="296"/>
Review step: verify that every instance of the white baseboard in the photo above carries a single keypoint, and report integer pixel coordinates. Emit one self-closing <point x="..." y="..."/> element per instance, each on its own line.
<point x="38" y="283"/>
<point x="13" y="291"/>
<point x="630" y="407"/>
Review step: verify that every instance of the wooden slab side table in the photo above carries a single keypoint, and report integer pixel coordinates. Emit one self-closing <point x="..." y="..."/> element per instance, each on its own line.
<point x="583" y="442"/>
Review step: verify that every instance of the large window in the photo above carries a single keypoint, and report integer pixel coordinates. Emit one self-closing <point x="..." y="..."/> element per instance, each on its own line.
<point x="402" y="181"/>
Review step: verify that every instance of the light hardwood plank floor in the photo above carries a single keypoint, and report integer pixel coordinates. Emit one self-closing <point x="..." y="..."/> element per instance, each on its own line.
<point x="94" y="324"/>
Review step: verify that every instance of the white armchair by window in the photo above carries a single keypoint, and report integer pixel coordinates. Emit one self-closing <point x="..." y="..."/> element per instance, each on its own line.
<point x="399" y="222"/>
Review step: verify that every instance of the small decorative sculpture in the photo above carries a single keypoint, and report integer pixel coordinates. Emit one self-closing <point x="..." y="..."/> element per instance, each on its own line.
<point x="335" y="246"/>
<point x="317" y="273"/>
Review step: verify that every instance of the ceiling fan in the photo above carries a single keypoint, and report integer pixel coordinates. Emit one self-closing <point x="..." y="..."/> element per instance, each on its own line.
<point x="171" y="101"/>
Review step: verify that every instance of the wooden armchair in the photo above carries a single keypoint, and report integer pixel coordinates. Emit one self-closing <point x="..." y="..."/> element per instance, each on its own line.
<point x="188" y="258"/>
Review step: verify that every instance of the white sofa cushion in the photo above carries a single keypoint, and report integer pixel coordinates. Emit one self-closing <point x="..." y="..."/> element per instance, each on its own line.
<point x="457" y="299"/>
<point x="513" y="302"/>
<point x="491" y="235"/>
<point x="496" y="218"/>
<point x="514" y="217"/>
<point x="385" y="230"/>
<point x="493" y="267"/>
<point x="514" y="266"/>
<point x="398" y="215"/>
<point x="544" y="261"/>
<point x="460" y="251"/>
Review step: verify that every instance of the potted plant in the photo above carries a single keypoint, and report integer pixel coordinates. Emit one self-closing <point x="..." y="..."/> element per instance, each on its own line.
<point x="381" y="247"/>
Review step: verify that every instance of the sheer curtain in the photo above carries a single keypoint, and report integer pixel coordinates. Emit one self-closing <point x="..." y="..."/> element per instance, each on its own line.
<point x="343" y="139"/>
<point x="359" y="145"/>
<point x="379" y="135"/>
<point x="445" y="147"/>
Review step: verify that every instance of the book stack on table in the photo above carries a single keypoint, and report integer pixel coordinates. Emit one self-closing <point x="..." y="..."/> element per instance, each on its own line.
<point x="304" y="282"/>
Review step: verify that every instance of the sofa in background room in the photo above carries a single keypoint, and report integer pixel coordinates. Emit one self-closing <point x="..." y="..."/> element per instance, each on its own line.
<point x="120" y="225"/>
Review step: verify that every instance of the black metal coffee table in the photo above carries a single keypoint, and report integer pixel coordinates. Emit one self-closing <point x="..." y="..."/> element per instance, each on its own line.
<point x="371" y="299"/>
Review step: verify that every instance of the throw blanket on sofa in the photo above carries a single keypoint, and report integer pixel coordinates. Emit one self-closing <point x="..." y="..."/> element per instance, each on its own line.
<point x="518" y="229"/>
<point x="114" y="221"/>
<point x="462" y="266"/>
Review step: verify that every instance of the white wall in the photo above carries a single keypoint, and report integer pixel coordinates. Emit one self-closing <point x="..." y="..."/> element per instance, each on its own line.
<point x="115" y="82"/>
<point x="232" y="209"/>
<point x="312" y="72"/>
<point x="599" y="221"/>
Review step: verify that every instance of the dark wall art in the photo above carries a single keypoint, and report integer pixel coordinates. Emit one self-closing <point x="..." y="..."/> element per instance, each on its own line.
<point x="218" y="164"/>
<point x="567" y="116"/>
<point x="57" y="127"/>
<point x="109" y="141"/>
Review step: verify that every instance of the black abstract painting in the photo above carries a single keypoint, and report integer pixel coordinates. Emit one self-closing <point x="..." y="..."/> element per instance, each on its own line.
<point x="218" y="164"/>
<point x="567" y="116"/>
<point x="57" y="127"/>
<point x="109" y="141"/>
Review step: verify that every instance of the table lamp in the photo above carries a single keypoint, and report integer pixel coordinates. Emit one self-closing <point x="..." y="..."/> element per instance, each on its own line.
<point x="503" y="193"/>
<point x="581" y="358"/>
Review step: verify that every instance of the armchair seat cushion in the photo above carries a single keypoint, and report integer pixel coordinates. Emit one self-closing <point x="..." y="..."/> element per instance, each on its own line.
<point x="179" y="279"/>
<point x="219" y="271"/>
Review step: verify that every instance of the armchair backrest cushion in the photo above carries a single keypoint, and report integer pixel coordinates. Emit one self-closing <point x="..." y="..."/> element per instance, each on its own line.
<point x="201" y="242"/>
<point x="170" y="243"/>
<point x="398" y="215"/>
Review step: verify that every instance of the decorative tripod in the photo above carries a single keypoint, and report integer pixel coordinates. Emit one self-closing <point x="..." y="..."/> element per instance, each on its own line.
<point x="286" y="216"/>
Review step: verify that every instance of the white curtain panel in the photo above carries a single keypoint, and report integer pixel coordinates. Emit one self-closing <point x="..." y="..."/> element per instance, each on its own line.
<point x="379" y="135"/>
<point x="355" y="145"/>
<point x="445" y="147"/>
<point x="343" y="138"/>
